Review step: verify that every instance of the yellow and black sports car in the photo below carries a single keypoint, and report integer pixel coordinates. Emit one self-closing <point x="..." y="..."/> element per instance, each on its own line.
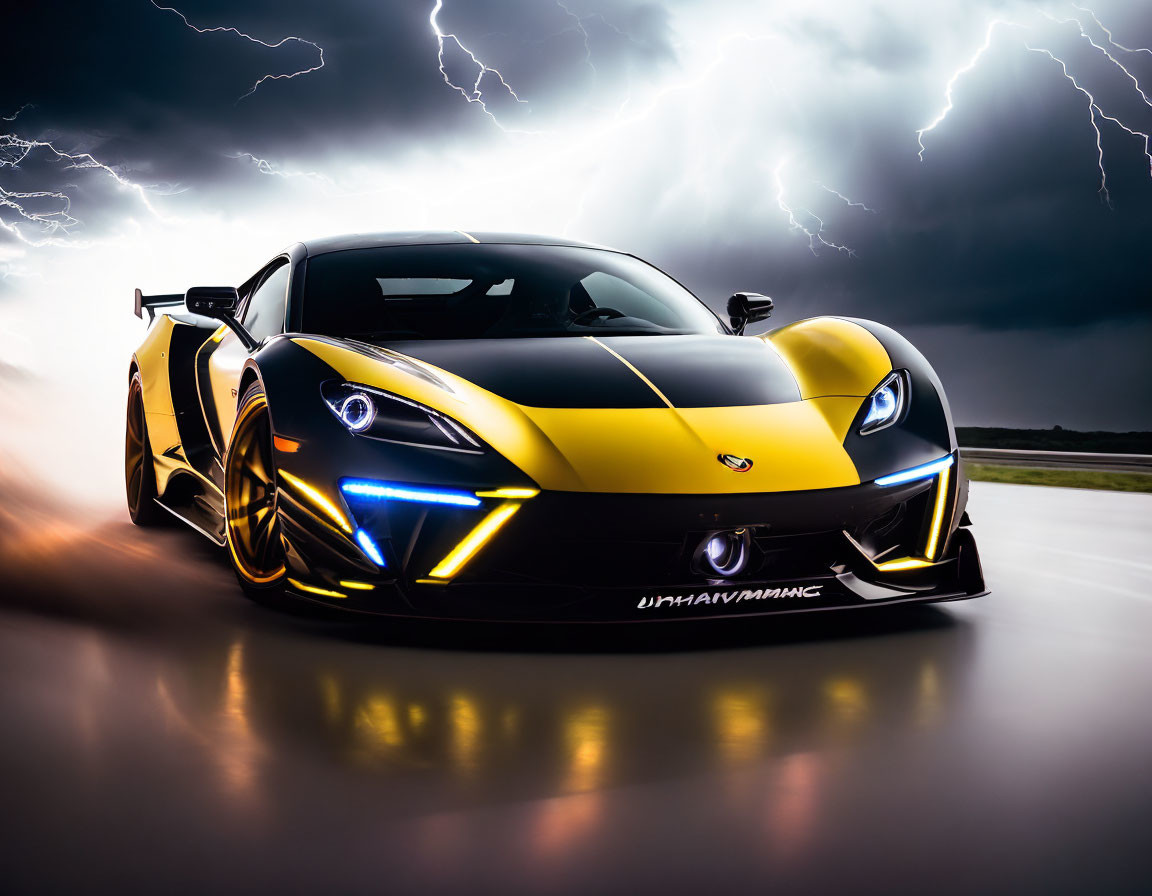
<point x="494" y="426"/>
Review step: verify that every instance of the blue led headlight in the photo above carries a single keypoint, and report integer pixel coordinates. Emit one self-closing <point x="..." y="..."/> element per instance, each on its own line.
<point x="885" y="404"/>
<point x="357" y="411"/>
<point x="377" y="414"/>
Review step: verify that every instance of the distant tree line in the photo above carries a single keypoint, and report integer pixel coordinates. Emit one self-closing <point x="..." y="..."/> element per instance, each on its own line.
<point x="1055" y="439"/>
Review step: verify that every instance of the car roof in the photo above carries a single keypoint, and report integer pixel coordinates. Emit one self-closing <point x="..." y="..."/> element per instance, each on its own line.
<point x="431" y="238"/>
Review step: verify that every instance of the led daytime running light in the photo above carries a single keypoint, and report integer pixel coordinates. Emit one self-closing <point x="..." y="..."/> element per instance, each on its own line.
<point x="385" y="491"/>
<point x="369" y="547"/>
<point x="924" y="471"/>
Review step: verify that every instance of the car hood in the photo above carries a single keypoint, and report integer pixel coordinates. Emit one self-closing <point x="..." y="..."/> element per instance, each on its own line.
<point x="616" y="371"/>
<point x="624" y="414"/>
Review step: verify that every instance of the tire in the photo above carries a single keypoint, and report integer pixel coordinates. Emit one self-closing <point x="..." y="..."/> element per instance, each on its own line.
<point x="139" y="468"/>
<point x="252" y="525"/>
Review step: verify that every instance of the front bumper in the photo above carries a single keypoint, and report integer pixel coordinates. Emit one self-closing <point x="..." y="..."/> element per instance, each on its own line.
<point x="600" y="558"/>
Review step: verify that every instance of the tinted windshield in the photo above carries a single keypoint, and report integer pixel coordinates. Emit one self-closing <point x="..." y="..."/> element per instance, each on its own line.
<point x="494" y="291"/>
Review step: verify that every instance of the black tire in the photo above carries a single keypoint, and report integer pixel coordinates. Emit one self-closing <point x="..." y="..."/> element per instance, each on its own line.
<point x="139" y="469"/>
<point x="251" y="522"/>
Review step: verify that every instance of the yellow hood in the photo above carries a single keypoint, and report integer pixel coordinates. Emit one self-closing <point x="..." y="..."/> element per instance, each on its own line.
<point x="654" y="450"/>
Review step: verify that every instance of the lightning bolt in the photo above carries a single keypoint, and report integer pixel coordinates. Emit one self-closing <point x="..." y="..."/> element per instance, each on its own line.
<point x="582" y="31"/>
<point x="1093" y="109"/>
<point x="1096" y="112"/>
<point x="474" y="93"/>
<point x="1116" y="62"/>
<point x="49" y="222"/>
<point x="949" y="99"/>
<point x="1111" y="39"/>
<point x="815" y="237"/>
<point x="13" y="151"/>
<point x="15" y="114"/>
<point x="266" y="167"/>
<point x="1146" y="138"/>
<point x="846" y="200"/>
<point x="287" y="76"/>
<point x="585" y="37"/>
<point x="54" y="223"/>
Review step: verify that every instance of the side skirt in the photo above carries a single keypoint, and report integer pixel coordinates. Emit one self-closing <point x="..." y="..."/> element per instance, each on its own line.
<point x="198" y="516"/>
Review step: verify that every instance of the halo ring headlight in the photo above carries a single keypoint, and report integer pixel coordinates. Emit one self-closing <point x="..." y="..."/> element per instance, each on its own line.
<point x="357" y="411"/>
<point x="376" y="414"/>
<point x="885" y="405"/>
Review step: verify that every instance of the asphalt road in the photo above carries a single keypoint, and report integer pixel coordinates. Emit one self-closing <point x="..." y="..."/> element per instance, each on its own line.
<point x="158" y="733"/>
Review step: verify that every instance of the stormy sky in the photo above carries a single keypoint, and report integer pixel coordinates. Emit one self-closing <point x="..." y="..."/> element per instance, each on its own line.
<point x="770" y="146"/>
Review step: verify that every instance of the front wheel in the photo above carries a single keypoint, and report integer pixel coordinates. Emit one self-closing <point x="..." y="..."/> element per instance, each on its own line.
<point x="139" y="470"/>
<point x="252" y="522"/>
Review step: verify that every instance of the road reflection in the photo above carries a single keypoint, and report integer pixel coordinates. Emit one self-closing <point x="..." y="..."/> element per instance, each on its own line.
<point x="268" y="711"/>
<point x="539" y="725"/>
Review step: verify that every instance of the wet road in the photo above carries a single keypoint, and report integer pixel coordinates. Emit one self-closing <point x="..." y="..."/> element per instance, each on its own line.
<point x="161" y="734"/>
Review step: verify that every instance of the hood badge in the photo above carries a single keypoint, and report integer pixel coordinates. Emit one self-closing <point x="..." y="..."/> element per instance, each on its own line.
<point x="733" y="462"/>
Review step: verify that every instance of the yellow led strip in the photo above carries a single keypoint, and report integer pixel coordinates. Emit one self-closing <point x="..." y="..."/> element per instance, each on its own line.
<point x="937" y="514"/>
<point x="474" y="541"/>
<point x="318" y="499"/>
<point x="356" y="586"/>
<point x="509" y="493"/>
<point x="312" y="589"/>
<point x="905" y="563"/>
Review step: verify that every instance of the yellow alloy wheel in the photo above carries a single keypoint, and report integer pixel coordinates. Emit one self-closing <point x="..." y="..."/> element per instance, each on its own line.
<point x="250" y="494"/>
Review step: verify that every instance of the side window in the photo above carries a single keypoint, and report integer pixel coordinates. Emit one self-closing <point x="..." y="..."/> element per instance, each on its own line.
<point x="264" y="315"/>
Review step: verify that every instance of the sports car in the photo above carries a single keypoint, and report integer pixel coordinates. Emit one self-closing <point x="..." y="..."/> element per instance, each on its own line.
<point x="495" y="426"/>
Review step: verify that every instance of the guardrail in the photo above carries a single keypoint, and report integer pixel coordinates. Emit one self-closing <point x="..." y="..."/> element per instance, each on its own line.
<point x="1060" y="460"/>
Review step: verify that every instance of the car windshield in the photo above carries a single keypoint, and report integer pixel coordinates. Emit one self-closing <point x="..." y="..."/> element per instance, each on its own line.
<point x="494" y="291"/>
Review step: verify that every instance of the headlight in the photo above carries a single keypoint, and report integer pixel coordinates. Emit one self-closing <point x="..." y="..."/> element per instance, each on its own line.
<point x="357" y="411"/>
<point x="381" y="415"/>
<point x="885" y="404"/>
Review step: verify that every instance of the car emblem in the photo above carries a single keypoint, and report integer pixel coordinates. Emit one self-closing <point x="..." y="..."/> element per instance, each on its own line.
<point x="732" y="462"/>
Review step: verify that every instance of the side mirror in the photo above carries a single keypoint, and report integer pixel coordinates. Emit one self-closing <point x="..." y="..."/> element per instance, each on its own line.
<point x="746" y="308"/>
<point x="212" y="301"/>
<point x="219" y="302"/>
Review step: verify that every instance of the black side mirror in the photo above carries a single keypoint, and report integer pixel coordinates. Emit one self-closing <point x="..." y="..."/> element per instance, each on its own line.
<point x="746" y="308"/>
<point x="219" y="302"/>
<point x="212" y="301"/>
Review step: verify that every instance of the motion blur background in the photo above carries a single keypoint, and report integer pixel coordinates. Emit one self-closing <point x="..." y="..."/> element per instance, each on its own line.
<point x="973" y="173"/>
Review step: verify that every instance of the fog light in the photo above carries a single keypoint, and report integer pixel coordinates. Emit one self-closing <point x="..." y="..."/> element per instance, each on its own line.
<point x="727" y="552"/>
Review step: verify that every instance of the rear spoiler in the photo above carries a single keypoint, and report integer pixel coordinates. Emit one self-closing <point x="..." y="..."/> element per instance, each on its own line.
<point x="149" y="302"/>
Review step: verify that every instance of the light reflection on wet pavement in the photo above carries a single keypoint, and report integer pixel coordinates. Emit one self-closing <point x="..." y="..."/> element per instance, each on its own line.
<point x="162" y="733"/>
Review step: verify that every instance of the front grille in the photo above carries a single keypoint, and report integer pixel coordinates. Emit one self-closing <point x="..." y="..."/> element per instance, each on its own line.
<point x="622" y="540"/>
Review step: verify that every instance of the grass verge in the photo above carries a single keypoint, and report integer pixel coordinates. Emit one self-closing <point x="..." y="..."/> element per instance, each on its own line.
<point x="1100" y="479"/>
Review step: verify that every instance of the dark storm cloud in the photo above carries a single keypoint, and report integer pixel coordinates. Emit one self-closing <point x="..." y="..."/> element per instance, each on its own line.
<point x="1000" y="229"/>
<point x="162" y="100"/>
<point x="1001" y="226"/>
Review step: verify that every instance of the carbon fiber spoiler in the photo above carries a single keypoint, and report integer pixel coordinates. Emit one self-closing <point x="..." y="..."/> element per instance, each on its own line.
<point x="150" y="302"/>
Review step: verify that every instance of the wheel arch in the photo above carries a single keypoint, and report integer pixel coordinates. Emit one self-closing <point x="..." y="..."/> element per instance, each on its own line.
<point x="831" y="356"/>
<point x="925" y="430"/>
<point x="250" y="375"/>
